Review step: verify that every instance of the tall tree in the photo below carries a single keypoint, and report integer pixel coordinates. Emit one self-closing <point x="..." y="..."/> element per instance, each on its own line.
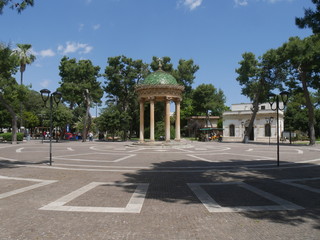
<point x="207" y="98"/>
<point x="25" y="57"/>
<point x="311" y="18"/>
<point x="252" y="78"/>
<point x="121" y="74"/>
<point x="298" y="66"/>
<point x="79" y="86"/>
<point x="185" y="74"/>
<point x="10" y="92"/>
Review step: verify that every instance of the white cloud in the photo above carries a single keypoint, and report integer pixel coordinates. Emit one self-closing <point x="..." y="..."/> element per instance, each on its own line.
<point x="45" y="83"/>
<point x="246" y="2"/>
<point x="191" y="4"/>
<point x="47" y="53"/>
<point x="72" y="47"/>
<point x="96" y="27"/>
<point x="81" y="26"/>
<point x="241" y="2"/>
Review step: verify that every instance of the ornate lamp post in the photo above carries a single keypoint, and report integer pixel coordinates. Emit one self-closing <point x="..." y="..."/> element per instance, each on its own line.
<point x="273" y="98"/>
<point x="269" y="120"/>
<point x="56" y="97"/>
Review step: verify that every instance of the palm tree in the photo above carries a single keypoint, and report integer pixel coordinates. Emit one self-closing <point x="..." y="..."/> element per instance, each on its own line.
<point x="24" y="57"/>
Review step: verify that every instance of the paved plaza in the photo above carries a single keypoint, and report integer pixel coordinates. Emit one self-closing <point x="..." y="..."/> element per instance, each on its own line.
<point x="115" y="190"/>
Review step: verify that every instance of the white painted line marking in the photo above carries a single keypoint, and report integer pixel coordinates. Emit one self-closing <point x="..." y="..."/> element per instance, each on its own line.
<point x="250" y="150"/>
<point x="302" y="186"/>
<point x="299" y="151"/>
<point x="136" y="150"/>
<point x="200" y="158"/>
<point x="134" y="205"/>
<point x="19" y="150"/>
<point x="21" y="190"/>
<point x="9" y="159"/>
<point x="213" y="206"/>
<point x="66" y="158"/>
<point x="184" y="150"/>
<point x="70" y="149"/>
<point x="124" y="158"/>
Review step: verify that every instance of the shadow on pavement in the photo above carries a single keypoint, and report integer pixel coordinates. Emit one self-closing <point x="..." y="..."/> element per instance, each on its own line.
<point x="16" y="164"/>
<point x="172" y="186"/>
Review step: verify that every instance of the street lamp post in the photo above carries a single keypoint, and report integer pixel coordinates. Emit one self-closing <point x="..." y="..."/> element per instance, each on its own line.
<point x="269" y="120"/>
<point x="273" y="98"/>
<point x="56" y="97"/>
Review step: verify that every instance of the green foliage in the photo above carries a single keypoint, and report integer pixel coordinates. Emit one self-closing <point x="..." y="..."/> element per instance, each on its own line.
<point x="4" y="118"/>
<point x="311" y="18"/>
<point x="185" y="74"/>
<point x="164" y="62"/>
<point x="122" y="74"/>
<point x="35" y="103"/>
<point x="296" y="115"/>
<point x="17" y="5"/>
<point x="31" y="120"/>
<point x="206" y="97"/>
<point x="113" y="120"/>
<point x="75" y="78"/>
<point x="62" y="116"/>
<point x="23" y="56"/>
<point x="253" y="78"/>
<point x="160" y="131"/>
<point x="298" y="67"/>
<point x="8" y="136"/>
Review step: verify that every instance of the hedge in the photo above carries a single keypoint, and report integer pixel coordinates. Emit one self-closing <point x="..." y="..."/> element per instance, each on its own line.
<point x="8" y="136"/>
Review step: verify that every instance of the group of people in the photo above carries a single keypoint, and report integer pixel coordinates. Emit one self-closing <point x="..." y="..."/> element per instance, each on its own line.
<point x="56" y="134"/>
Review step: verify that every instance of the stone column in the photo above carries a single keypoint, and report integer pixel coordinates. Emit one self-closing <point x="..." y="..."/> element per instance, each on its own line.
<point x="141" y="120"/>
<point x="167" y="117"/>
<point x="177" y="120"/>
<point x="152" y="119"/>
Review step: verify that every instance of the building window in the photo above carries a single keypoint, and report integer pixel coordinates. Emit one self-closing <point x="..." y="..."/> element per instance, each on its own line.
<point x="263" y="107"/>
<point x="231" y="129"/>
<point x="267" y="130"/>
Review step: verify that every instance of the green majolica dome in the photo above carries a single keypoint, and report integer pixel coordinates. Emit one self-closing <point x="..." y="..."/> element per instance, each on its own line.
<point x="159" y="78"/>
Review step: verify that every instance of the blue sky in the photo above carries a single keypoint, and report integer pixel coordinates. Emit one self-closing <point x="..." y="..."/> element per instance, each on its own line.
<point x="214" y="33"/>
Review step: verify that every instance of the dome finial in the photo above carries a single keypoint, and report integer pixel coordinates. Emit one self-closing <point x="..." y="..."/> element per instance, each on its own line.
<point x="160" y="63"/>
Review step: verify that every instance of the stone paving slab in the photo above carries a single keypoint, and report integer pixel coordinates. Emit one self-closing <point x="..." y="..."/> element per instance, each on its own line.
<point x="150" y="192"/>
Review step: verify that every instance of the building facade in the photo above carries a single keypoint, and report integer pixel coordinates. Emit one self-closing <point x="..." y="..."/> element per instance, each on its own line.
<point x="236" y="121"/>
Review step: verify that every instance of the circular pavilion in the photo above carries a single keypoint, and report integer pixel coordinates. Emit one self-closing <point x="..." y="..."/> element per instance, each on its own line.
<point x="159" y="86"/>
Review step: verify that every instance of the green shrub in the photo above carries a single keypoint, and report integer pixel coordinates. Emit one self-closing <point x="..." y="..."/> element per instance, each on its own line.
<point x="8" y="136"/>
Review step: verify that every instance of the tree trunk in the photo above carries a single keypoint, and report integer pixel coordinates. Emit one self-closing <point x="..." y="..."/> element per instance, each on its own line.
<point x="253" y="117"/>
<point x="14" y="119"/>
<point x="85" y="122"/>
<point x="310" y="108"/>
